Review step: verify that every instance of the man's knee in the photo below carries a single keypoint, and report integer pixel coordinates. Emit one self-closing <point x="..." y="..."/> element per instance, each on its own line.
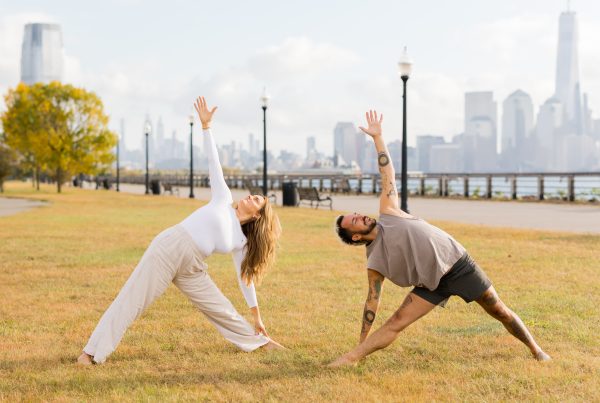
<point x="398" y="321"/>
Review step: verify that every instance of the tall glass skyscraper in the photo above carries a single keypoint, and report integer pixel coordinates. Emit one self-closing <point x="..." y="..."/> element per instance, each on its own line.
<point x="42" y="54"/>
<point x="568" y="89"/>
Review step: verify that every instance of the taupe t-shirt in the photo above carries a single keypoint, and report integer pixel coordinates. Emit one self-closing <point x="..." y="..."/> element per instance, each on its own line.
<point x="412" y="252"/>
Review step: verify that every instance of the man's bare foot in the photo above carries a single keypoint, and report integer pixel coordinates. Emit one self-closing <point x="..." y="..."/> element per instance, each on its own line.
<point x="273" y="345"/>
<point x="85" y="359"/>
<point x="541" y="356"/>
<point x="342" y="361"/>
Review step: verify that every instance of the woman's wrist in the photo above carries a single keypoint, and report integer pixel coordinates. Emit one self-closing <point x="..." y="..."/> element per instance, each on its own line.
<point x="205" y="127"/>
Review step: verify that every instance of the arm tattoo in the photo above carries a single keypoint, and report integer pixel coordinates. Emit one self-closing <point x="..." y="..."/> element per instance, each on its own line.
<point x="392" y="191"/>
<point x="383" y="159"/>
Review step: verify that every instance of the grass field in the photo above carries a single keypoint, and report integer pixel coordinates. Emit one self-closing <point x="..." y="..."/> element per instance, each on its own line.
<point x="61" y="266"/>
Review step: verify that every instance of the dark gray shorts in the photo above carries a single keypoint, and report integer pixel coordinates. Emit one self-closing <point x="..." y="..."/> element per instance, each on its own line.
<point x="465" y="279"/>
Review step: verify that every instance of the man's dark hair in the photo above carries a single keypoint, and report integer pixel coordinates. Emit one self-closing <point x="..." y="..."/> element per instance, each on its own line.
<point x="344" y="234"/>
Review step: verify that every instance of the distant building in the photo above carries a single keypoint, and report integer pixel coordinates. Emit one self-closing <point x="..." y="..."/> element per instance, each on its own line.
<point x="42" y="54"/>
<point x="347" y="144"/>
<point x="446" y="158"/>
<point x="517" y="132"/>
<point x="567" y="88"/>
<point x="160" y="139"/>
<point x="424" y="144"/>
<point x="311" y="148"/>
<point x="479" y="138"/>
<point x="549" y="122"/>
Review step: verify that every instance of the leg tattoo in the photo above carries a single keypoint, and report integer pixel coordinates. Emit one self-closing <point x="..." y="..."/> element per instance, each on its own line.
<point x="407" y="301"/>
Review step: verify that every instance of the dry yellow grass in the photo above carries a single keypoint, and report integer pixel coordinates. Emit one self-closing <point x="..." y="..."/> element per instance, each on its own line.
<point x="61" y="266"/>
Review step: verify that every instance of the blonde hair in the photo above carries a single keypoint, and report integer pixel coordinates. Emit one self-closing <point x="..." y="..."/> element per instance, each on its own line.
<point x="262" y="235"/>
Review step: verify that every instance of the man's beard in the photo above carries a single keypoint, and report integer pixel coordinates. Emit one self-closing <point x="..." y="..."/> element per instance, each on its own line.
<point x="368" y="230"/>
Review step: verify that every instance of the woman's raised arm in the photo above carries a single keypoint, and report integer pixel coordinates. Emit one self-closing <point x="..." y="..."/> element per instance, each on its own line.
<point x="219" y="188"/>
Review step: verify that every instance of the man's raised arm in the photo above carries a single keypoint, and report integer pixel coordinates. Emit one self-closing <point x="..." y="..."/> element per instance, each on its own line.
<point x="388" y="202"/>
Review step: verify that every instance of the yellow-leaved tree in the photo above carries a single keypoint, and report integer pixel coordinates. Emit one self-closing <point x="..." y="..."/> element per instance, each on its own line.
<point x="59" y="129"/>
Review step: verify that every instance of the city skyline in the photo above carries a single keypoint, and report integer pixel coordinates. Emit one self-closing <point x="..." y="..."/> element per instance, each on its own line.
<point x="291" y="57"/>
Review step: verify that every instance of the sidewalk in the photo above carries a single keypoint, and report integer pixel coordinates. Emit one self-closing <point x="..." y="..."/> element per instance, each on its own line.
<point x="530" y="215"/>
<point x="9" y="206"/>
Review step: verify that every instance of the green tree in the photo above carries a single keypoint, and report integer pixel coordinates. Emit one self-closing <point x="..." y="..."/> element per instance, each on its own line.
<point x="6" y="163"/>
<point x="58" y="128"/>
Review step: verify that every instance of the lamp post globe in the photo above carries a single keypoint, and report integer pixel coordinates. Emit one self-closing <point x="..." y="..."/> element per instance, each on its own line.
<point x="404" y="70"/>
<point x="147" y="131"/>
<point x="264" y="99"/>
<point x="191" y="121"/>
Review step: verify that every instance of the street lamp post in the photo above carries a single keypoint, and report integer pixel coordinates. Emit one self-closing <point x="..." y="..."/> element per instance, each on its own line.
<point x="264" y="100"/>
<point x="118" y="167"/>
<point x="404" y="69"/>
<point x="147" y="129"/>
<point x="191" y="118"/>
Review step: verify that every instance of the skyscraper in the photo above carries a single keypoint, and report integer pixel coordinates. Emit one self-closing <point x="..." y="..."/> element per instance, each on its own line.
<point x="346" y="143"/>
<point x="311" y="148"/>
<point x="424" y="144"/>
<point x="479" y="139"/>
<point x="568" y="90"/>
<point x="517" y="130"/>
<point x="160" y="139"/>
<point x="42" y="54"/>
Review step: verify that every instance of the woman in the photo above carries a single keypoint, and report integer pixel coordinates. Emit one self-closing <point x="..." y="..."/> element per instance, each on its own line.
<point x="249" y="231"/>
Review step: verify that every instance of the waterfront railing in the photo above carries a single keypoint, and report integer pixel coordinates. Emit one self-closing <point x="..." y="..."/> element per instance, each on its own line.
<point x="567" y="186"/>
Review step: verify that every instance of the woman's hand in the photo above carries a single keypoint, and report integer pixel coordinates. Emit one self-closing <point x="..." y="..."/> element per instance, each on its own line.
<point x="203" y="113"/>
<point x="373" y="124"/>
<point x="259" y="327"/>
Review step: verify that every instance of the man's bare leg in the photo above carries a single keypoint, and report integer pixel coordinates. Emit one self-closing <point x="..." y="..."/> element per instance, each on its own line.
<point x="413" y="308"/>
<point x="511" y="321"/>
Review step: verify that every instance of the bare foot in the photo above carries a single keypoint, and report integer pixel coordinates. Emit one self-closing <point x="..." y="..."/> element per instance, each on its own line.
<point x="342" y="361"/>
<point x="85" y="359"/>
<point x="273" y="345"/>
<point x="541" y="356"/>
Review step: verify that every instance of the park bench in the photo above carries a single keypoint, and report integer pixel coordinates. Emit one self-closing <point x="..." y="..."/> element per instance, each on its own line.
<point x="343" y="185"/>
<point x="311" y="194"/>
<point x="257" y="190"/>
<point x="169" y="187"/>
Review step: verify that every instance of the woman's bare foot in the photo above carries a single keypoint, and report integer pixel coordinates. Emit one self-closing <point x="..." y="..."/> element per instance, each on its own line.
<point x="85" y="359"/>
<point x="273" y="345"/>
<point x="541" y="356"/>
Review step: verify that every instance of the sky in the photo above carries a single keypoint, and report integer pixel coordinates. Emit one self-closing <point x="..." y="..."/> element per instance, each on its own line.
<point x="321" y="61"/>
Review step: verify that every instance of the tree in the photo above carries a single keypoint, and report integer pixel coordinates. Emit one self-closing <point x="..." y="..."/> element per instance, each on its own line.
<point x="58" y="128"/>
<point x="6" y="163"/>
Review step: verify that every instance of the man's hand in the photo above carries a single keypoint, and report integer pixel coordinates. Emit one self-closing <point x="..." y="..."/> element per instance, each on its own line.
<point x="373" y="124"/>
<point x="204" y="114"/>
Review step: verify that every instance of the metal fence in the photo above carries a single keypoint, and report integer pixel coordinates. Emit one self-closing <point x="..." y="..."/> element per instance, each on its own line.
<point x="568" y="186"/>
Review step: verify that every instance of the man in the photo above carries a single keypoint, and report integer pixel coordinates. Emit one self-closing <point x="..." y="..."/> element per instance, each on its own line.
<point x="411" y="252"/>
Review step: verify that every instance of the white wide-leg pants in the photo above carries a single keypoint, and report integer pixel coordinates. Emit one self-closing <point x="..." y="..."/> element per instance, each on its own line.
<point x="171" y="257"/>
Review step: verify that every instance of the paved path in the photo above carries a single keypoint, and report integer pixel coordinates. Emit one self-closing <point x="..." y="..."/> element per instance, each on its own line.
<point x="10" y="206"/>
<point x="543" y="216"/>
